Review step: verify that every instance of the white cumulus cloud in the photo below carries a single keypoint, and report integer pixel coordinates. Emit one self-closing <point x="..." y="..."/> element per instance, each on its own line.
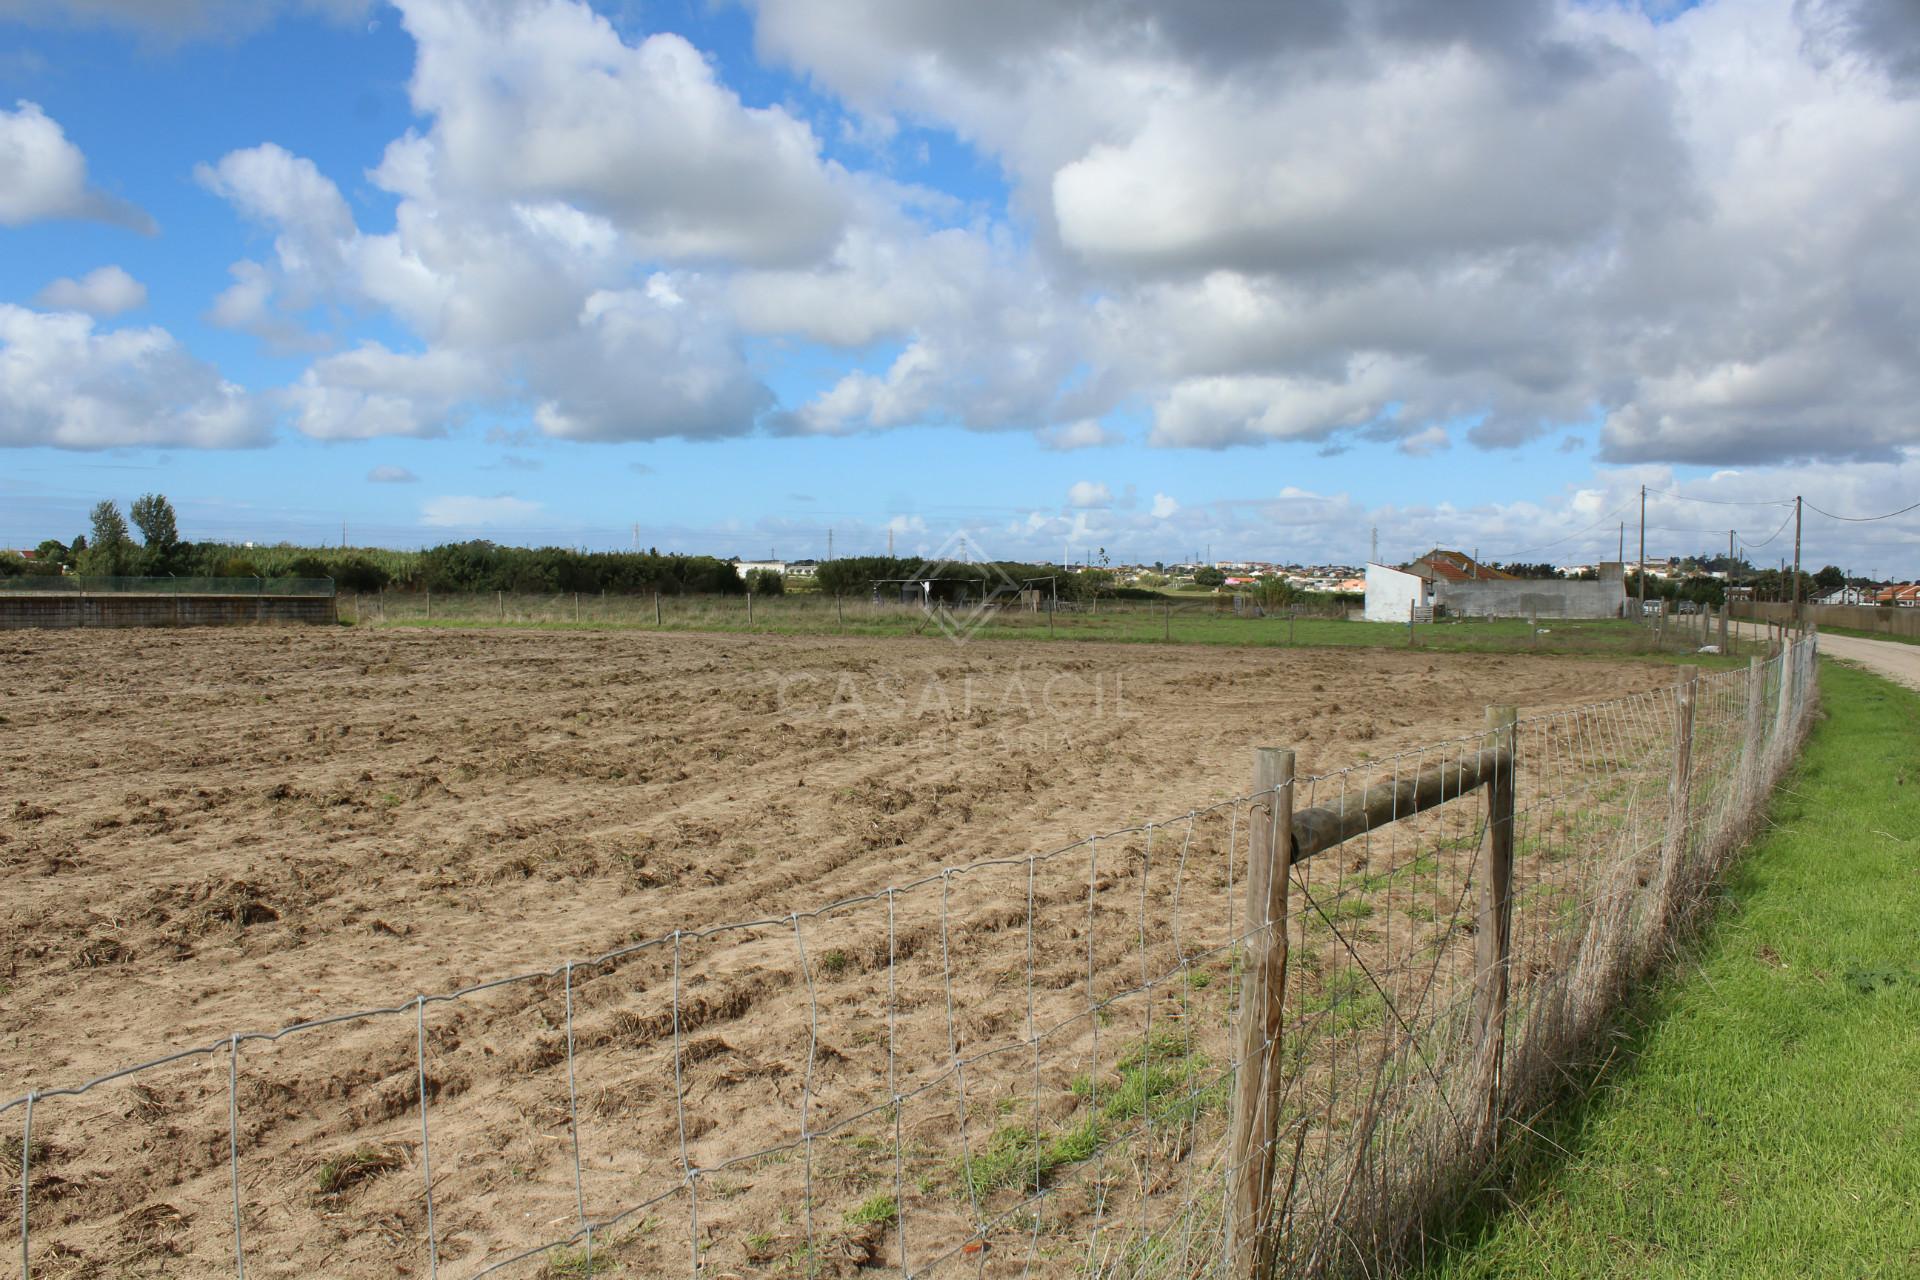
<point x="43" y="175"/>
<point x="1087" y="433"/>
<point x="104" y="291"/>
<point x="65" y="383"/>
<point x="1088" y="494"/>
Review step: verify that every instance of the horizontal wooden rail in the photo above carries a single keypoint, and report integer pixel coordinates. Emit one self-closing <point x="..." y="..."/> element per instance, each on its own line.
<point x="1319" y="829"/>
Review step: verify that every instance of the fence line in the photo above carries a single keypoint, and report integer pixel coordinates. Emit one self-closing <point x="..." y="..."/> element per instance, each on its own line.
<point x="1169" y="618"/>
<point x="1036" y="1056"/>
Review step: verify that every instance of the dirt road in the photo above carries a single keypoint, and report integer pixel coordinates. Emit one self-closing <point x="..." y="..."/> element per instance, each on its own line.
<point x="1897" y="662"/>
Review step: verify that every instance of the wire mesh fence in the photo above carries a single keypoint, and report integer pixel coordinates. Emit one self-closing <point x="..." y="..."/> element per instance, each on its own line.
<point x="1119" y="1057"/>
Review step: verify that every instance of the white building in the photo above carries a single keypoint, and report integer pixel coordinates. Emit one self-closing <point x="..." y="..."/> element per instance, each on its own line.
<point x="1393" y="593"/>
<point x="745" y="567"/>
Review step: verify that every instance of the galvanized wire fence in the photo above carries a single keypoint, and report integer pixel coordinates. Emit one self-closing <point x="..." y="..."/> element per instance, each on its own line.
<point x="1033" y="1064"/>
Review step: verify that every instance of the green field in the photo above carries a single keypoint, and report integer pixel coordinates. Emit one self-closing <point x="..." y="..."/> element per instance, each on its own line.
<point x="1756" y="1115"/>
<point x="1181" y="621"/>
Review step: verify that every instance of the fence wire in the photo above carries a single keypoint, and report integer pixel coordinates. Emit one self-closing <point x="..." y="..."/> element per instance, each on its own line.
<point x="1027" y="1061"/>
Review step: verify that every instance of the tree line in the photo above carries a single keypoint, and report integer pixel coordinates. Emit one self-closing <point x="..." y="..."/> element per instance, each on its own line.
<point x="109" y="548"/>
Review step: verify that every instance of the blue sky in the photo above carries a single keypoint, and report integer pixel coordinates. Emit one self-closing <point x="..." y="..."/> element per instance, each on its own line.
<point x="1105" y="274"/>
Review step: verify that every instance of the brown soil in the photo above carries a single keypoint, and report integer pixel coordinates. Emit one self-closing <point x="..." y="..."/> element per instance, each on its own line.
<point x="222" y="832"/>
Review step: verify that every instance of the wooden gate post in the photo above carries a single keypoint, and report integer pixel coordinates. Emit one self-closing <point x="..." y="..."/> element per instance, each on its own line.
<point x="1493" y="932"/>
<point x="1258" y="1089"/>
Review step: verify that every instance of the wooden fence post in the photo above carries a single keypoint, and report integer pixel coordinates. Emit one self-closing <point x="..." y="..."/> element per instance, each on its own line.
<point x="839" y="614"/>
<point x="1756" y="736"/>
<point x="1679" y="787"/>
<point x="749" y="608"/>
<point x="1166" y="622"/>
<point x="429" y="604"/>
<point x="1783" y="712"/>
<point x="656" y="609"/>
<point x="1493" y="932"/>
<point x="576" y="606"/>
<point x="1260" y="1084"/>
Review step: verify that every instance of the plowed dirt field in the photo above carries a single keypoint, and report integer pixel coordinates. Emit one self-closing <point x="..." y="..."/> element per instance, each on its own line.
<point x="212" y="833"/>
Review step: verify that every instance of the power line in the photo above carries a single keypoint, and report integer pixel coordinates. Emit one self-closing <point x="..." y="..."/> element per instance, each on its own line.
<point x="1511" y="555"/>
<point x="1724" y="502"/>
<point x="1865" y="519"/>
<point x="1755" y="546"/>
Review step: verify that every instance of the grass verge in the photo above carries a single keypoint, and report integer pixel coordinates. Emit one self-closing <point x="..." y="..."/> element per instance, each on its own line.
<point x="1858" y="634"/>
<point x="1756" y="1117"/>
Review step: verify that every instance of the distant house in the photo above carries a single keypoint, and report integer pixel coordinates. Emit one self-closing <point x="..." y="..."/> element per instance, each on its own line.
<point x="1849" y="595"/>
<point x="1455" y="566"/>
<point x="746" y="567"/>
<point x="1459" y="585"/>
<point x="802" y="568"/>
<point x="1393" y="594"/>
<point x="1901" y="596"/>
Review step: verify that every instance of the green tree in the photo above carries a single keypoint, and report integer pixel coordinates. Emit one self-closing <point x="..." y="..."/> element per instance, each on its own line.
<point x="1275" y="593"/>
<point x="1208" y="576"/>
<point x="1830" y="579"/>
<point x="304" y="566"/>
<point x="110" y="550"/>
<point x="154" y="515"/>
<point x="357" y="573"/>
<point x="767" y="582"/>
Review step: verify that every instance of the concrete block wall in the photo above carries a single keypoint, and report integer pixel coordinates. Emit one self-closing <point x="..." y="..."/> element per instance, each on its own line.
<point x="1532" y="598"/>
<point x="45" y="609"/>
<point x="1856" y="617"/>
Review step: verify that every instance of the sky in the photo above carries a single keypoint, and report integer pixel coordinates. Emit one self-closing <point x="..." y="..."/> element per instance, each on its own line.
<point x="1153" y="279"/>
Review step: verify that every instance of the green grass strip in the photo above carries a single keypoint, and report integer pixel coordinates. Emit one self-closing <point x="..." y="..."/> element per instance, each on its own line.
<point x="1760" y="1113"/>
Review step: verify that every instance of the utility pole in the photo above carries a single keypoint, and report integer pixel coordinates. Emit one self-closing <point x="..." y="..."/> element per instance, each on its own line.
<point x="1373" y="557"/>
<point x="1796" y="559"/>
<point x="829" y="543"/>
<point x="1643" y="551"/>
<point x="1623" y="545"/>
<point x="343" y="535"/>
